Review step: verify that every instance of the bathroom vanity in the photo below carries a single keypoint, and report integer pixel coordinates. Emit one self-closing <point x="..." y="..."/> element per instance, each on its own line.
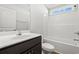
<point x="17" y="45"/>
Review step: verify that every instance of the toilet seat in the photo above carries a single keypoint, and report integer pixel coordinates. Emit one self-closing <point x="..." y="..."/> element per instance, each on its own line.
<point x="48" y="47"/>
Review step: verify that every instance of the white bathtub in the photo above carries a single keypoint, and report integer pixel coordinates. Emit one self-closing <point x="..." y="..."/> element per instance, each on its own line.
<point x="62" y="47"/>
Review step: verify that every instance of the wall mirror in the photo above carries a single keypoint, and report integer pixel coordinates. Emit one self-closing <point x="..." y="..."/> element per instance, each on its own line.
<point x="14" y="17"/>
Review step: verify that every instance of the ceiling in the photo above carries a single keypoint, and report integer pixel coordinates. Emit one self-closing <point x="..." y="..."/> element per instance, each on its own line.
<point x="49" y="6"/>
<point x="27" y="6"/>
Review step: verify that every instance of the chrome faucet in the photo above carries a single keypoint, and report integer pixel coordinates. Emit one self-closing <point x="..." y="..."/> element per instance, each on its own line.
<point x="77" y="33"/>
<point x="76" y="39"/>
<point x="19" y="33"/>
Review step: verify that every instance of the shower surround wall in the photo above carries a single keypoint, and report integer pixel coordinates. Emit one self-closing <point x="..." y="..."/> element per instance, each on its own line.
<point x="63" y="27"/>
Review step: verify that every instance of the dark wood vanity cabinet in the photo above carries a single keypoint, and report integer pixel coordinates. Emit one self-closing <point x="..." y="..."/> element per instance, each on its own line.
<point x="34" y="50"/>
<point x="31" y="46"/>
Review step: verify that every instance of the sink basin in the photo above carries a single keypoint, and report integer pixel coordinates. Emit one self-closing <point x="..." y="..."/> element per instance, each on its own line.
<point x="21" y="37"/>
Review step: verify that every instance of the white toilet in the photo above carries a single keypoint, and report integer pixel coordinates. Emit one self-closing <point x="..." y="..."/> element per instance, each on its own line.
<point x="48" y="48"/>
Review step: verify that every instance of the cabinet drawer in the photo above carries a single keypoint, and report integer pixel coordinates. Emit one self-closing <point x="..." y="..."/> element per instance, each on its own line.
<point x="20" y="47"/>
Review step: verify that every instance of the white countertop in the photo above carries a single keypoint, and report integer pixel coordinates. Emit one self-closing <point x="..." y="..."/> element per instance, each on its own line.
<point x="13" y="39"/>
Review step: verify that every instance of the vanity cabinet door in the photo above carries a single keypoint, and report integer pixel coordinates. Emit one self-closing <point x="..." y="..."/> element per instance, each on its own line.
<point x="35" y="49"/>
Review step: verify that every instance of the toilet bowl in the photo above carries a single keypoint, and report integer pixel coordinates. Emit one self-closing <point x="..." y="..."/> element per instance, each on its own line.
<point x="48" y="47"/>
